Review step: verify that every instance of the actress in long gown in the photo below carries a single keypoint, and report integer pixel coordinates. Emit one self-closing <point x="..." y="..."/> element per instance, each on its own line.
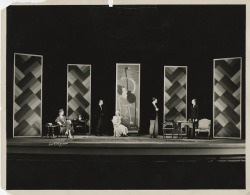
<point x="119" y="129"/>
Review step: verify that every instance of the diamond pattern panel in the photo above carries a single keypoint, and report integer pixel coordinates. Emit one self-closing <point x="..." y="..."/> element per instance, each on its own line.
<point x="27" y="95"/>
<point x="175" y="93"/>
<point x="79" y="90"/>
<point x="227" y="98"/>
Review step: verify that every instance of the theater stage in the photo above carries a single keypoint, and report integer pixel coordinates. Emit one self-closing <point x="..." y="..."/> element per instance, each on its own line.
<point x="134" y="162"/>
<point x="132" y="145"/>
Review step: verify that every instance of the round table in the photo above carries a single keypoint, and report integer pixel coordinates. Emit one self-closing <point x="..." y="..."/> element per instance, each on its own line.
<point x="50" y="130"/>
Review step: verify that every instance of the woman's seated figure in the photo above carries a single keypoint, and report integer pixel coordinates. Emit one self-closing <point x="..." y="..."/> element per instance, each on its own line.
<point x="65" y="124"/>
<point x="119" y="129"/>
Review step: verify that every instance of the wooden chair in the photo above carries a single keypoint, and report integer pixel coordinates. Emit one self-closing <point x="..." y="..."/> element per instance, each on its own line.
<point x="204" y="126"/>
<point x="168" y="126"/>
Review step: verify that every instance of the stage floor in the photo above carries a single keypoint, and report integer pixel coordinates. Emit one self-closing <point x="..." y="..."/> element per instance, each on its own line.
<point x="132" y="145"/>
<point x="91" y="162"/>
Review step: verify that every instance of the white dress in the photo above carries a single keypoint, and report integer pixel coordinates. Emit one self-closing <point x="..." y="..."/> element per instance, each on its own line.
<point x="119" y="129"/>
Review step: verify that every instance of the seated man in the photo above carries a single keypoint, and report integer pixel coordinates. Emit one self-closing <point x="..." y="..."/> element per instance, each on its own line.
<point x="65" y="124"/>
<point x="80" y="125"/>
<point x="119" y="129"/>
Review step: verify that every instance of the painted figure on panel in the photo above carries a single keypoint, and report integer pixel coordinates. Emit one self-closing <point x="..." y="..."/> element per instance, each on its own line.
<point x="124" y="105"/>
<point x="127" y="91"/>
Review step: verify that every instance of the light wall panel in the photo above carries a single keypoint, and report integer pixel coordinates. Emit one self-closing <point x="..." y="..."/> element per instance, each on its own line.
<point x="128" y="94"/>
<point x="79" y="91"/>
<point x="175" y="93"/>
<point x="27" y="108"/>
<point x="227" y="98"/>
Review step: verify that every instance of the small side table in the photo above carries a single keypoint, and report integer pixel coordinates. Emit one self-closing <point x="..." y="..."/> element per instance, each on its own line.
<point x="182" y="124"/>
<point x="50" y="130"/>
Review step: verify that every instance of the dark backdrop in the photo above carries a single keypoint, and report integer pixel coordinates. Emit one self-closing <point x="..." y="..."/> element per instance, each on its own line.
<point x="154" y="36"/>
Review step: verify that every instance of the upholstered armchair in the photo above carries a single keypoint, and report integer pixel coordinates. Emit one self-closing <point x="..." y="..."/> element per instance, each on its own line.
<point x="204" y="126"/>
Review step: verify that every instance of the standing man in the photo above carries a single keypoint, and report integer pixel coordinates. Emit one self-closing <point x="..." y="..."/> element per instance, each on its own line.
<point x="153" y="128"/>
<point x="194" y="114"/>
<point x="99" y="117"/>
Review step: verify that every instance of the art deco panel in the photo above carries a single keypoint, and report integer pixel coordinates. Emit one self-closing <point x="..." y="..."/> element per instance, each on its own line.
<point x="79" y="91"/>
<point x="128" y="94"/>
<point x="175" y="93"/>
<point x="27" y="95"/>
<point x="227" y="98"/>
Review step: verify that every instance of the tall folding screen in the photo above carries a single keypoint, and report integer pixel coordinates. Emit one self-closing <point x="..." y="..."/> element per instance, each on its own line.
<point x="128" y="94"/>
<point x="79" y="92"/>
<point x="227" y="98"/>
<point x="27" y="108"/>
<point x="175" y="93"/>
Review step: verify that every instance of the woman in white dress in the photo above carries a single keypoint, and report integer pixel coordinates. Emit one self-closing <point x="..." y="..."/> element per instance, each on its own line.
<point x="119" y="129"/>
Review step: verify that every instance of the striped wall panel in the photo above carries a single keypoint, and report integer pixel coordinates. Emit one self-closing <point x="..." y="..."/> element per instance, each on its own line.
<point x="227" y="98"/>
<point x="27" y="95"/>
<point x="79" y="91"/>
<point x="128" y="95"/>
<point x="175" y="93"/>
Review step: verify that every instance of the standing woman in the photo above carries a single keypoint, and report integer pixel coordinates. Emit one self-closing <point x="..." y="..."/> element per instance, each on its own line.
<point x="153" y="128"/>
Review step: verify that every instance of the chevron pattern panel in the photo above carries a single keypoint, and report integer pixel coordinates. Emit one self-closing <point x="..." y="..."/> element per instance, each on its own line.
<point x="175" y="93"/>
<point x="227" y="98"/>
<point x="27" y="95"/>
<point x="79" y="91"/>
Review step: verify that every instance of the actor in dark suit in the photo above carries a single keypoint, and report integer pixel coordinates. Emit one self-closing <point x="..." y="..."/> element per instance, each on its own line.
<point x="194" y="114"/>
<point x="80" y="124"/>
<point x="194" y="111"/>
<point x="153" y="116"/>
<point x="99" y="114"/>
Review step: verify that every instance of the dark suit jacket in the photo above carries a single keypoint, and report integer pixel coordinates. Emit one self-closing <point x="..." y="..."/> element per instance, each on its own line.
<point x="99" y="112"/>
<point x="152" y="112"/>
<point x="194" y="112"/>
<point x="78" y="122"/>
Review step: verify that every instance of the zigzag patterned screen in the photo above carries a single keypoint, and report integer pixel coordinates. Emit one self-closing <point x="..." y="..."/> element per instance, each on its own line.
<point x="227" y="98"/>
<point x="79" y="91"/>
<point x="27" y="95"/>
<point x="175" y="93"/>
